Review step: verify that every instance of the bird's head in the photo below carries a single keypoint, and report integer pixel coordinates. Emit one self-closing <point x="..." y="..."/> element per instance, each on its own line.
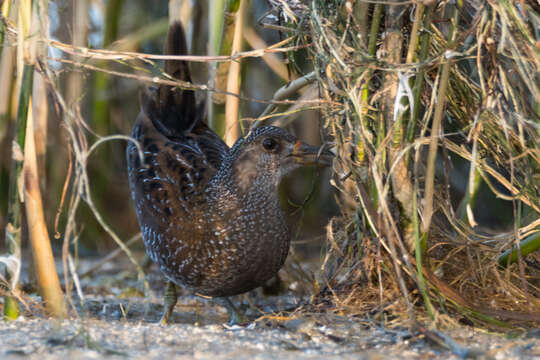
<point x="269" y="153"/>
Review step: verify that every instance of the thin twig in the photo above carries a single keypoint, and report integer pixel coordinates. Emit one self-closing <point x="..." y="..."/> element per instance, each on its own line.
<point x="180" y="84"/>
<point x="129" y="55"/>
<point x="110" y="256"/>
<point x="285" y="92"/>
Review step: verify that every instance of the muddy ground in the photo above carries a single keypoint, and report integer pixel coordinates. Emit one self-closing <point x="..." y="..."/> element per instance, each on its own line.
<point x="117" y="329"/>
<point x="116" y="321"/>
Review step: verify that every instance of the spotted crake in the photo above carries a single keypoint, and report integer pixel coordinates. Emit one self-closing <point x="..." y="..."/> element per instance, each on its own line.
<point x="210" y="215"/>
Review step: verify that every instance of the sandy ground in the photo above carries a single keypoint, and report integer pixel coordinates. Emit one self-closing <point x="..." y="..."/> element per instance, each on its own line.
<point x="113" y="328"/>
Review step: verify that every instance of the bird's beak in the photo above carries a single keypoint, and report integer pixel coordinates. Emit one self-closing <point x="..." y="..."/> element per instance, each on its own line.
<point x="311" y="155"/>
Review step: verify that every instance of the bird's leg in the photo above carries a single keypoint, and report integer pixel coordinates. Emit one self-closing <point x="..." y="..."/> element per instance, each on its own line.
<point x="234" y="315"/>
<point x="170" y="299"/>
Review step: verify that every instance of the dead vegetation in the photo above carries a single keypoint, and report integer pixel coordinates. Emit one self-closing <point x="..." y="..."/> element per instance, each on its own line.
<point x="413" y="87"/>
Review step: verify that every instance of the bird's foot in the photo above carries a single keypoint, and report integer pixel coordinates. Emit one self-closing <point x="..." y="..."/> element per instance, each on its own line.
<point x="235" y="315"/>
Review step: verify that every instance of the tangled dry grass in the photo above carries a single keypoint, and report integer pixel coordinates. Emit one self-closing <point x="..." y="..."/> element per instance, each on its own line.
<point x="413" y="87"/>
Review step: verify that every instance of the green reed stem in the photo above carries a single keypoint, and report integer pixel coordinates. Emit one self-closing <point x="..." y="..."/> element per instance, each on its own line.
<point x="13" y="227"/>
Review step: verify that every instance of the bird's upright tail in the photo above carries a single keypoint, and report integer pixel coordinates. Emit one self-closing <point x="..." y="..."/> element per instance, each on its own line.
<point x="173" y="110"/>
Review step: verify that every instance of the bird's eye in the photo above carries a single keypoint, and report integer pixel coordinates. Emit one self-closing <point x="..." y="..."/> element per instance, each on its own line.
<point x="270" y="144"/>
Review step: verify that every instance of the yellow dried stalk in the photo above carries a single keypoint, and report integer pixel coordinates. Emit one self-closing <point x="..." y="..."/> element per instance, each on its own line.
<point x="39" y="236"/>
<point x="232" y="103"/>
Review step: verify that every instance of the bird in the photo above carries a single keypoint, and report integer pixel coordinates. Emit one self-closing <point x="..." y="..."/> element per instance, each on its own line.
<point x="210" y="215"/>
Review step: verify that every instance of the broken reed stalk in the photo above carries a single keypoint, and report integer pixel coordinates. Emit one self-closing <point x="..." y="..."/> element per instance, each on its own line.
<point x="78" y="145"/>
<point x="232" y="103"/>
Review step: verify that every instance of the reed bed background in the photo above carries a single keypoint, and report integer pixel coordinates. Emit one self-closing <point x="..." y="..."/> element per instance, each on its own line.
<point x="432" y="107"/>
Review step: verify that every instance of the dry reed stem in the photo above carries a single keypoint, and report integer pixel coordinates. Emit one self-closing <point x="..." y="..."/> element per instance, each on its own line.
<point x="39" y="237"/>
<point x="232" y="103"/>
<point x="102" y="54"/>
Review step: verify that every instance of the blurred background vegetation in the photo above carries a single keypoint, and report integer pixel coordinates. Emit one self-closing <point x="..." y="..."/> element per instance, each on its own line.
<point x="109" y="105"/>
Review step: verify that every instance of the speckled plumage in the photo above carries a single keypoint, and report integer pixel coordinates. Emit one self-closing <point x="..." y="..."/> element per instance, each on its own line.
<point x="210" y="216"/>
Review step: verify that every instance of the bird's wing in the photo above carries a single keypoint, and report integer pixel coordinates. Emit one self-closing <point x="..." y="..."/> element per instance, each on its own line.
<point x="170" y="181"/>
